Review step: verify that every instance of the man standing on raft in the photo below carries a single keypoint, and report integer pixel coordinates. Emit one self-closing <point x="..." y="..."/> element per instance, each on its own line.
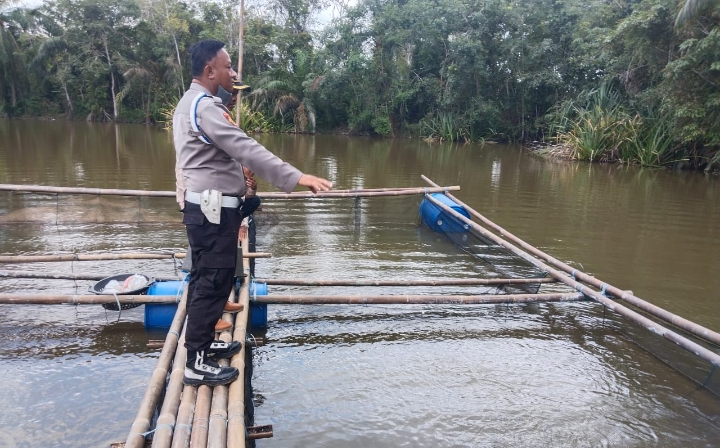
<point x="210" y="150"/>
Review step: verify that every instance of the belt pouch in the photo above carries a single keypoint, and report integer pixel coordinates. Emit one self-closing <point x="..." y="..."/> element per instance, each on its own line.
<point x="211" y="204"/>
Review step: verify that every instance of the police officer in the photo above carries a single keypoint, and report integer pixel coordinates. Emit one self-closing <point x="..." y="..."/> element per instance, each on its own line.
<point x="210" y="151"/>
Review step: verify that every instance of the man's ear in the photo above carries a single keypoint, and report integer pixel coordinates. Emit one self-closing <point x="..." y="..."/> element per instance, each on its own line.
<point x="209" y="71"/>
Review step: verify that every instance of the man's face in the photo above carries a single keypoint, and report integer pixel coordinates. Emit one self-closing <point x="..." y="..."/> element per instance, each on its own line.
<point x="221" y="71"/>
<point x="233" y="100"/>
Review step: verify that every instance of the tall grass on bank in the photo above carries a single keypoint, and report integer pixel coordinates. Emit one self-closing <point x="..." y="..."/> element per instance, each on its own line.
<point x="449" y="128"/>
<point x="443" y="127"/>
<point x="251" y="120"/>
<point x="597" y="134"/>
<point x="650" y="142"/>
<point x="596" y="127"/>
<point x="166" y="113"/>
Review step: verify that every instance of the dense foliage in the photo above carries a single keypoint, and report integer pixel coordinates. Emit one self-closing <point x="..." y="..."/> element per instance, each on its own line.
<point x="631" y="80"/>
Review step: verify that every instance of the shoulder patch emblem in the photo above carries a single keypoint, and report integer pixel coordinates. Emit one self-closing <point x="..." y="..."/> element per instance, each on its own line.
<point x="229" y="118"/>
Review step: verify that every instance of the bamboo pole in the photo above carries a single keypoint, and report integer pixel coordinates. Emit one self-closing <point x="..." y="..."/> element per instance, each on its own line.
<point x="197" y="435"/>
<point x="234" y="430"/>
<point x="85" y="299"/>
<point x="627" y="296"/>
<point x="85" y="257"/>
<point x="415" y="299"/>
<point x="136" y="438"/>
<point x="32" y="299"/>
<point x="85" y="190"/>
<point x="298" y="282"/>
<point x="110" y="256"/>
<point x="198" y="438"/>
<point x="358" y="194"/>
<point x="266" y="195"/>
<point x="241" y="50"/>
<point x="217" y="424"/>
<point x="71" y="276"/>
<point x="236" y="400"/>
<point x="165" y="426"/>
<point x="683" y="342"/>
<point x="437" y="282"/>
<point x="186" y="413"/>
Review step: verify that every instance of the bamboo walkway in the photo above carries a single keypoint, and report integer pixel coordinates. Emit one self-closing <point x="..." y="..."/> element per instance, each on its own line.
<point x="195" y="416"/>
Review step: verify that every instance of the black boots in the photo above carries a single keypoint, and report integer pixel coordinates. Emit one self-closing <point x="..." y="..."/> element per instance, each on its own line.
<point x="200" y="370"/>
<point x="222" y="350"/>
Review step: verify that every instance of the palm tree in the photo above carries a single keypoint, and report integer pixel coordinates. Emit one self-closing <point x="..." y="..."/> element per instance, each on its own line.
<point x="286" y="92"/>
<point x="54" y="60"/>
<point x="691" y="9"/>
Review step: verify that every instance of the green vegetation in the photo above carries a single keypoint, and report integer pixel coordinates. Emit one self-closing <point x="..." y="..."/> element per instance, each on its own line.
<point x="633" y="81"/>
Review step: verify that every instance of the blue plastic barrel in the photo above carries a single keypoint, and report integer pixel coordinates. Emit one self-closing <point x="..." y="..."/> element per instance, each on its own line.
<point x="160" y="315"/>
<point x="438" y="219"/>
<point x="258" y="311"/>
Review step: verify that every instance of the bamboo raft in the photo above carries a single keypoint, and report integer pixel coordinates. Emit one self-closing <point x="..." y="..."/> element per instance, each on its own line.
<point x="216" y="417"/>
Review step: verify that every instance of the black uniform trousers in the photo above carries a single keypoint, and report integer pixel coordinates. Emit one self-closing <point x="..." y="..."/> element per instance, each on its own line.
<point x="214" y="254"/>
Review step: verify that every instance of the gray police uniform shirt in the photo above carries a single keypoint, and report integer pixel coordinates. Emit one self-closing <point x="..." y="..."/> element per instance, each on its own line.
<point x="200" y="166"/>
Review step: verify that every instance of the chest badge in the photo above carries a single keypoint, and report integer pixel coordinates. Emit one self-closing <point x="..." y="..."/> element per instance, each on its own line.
<point x="229" y="118"/>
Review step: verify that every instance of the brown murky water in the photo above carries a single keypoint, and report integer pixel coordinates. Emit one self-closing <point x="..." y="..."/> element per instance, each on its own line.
<point x="560" y="375"/>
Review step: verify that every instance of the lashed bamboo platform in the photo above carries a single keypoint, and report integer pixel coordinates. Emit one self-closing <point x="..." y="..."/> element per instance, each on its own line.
<point x="203" y="416"/>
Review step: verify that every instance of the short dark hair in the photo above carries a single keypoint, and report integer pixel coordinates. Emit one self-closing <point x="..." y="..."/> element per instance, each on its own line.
<point x="201" y="53"/>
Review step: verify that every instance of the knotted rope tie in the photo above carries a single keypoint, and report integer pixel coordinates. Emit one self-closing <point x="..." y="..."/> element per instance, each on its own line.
<point x="181" y="289"/>
<point x="251" y="337"/>
<point x="201" y="423"/>
<point x="572" y="274"/>
<point x="236" y="415"/>
<point x="117" y="301"/>
<point x="175" y="260"/>
<point x="160" y="426"/>
<point x="581" y="289"/>
<point x="216" y="416"/>
<point x="602" y="289"/>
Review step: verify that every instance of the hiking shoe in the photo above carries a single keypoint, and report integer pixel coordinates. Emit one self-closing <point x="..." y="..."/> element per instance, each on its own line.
<point x="199" y="370"/>
<point x="221" y="326"/>
<point x="222" y="350"/>
<point x="232" y="307"/>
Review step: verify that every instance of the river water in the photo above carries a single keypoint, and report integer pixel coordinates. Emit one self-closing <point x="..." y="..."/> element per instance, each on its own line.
<point x="560" y="375"/>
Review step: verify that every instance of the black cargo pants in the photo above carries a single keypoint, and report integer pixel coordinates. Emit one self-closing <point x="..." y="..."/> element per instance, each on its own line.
<point x="214" y="252"/>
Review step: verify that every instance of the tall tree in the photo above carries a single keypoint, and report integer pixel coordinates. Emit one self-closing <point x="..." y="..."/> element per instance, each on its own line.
<point x="10" y="63"/>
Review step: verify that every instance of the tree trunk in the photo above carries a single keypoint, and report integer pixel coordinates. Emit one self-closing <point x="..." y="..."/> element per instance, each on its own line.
<point x="177" y="52"/>
<point x="13" y="94"/>
<point x="67" y="95"/>
<point x="112" y="77"/>
<point x="147" y="110"/>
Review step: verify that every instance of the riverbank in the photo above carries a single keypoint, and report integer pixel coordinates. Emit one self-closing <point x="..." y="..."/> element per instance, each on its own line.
<point x="564" y="151"/>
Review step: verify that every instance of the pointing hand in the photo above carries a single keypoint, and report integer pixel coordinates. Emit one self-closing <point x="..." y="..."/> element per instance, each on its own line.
<point x="314" y="183"/>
